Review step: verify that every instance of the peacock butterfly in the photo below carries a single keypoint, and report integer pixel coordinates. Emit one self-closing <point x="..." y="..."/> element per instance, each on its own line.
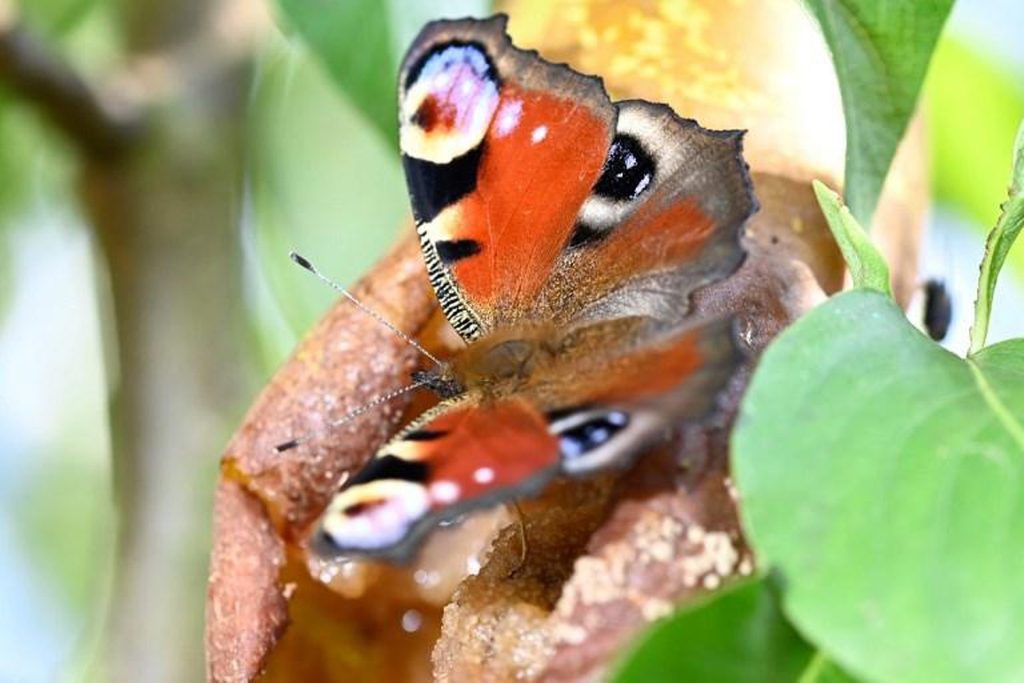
<point x="563" y="234"/>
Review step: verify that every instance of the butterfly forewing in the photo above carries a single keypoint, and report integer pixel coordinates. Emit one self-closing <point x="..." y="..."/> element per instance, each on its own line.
<point x="500" y="150"/>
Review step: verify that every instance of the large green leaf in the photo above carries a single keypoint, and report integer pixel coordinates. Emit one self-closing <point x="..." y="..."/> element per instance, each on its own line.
<point x="883" y="476"/>
<point x="361" y="42"/>
<point x="881" y="50"/>
<point x="739" y="635"/>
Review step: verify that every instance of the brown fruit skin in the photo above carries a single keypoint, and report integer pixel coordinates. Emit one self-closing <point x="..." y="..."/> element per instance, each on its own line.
<point x="245" y="609"/>
<point x="266" y="498"/>
<point x="605" y="556"/>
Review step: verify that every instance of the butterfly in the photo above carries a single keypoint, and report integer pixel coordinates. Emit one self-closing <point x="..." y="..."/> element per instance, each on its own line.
<point x="563" y="234"/>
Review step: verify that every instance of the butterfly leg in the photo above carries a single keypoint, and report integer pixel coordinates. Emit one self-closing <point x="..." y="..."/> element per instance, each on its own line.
<point x="523" y="546"/>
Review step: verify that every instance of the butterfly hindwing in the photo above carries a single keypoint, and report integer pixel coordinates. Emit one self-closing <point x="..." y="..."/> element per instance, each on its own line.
<point x="471" y="452"/>
<point x="667" y="380"/>
<point x="665" y="218"/>
<point x="462" y="455"/>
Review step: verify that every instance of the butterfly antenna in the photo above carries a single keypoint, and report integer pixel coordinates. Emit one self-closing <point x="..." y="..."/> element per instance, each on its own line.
<point x="351" y="415"/>
<point x="305" y="263"/>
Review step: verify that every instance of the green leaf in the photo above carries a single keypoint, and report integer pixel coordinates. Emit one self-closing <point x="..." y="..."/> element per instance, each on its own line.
<point x="880" y="49"/>
<point x="361" y="42"/>
<point x="739" y="635"/>
<point x="867" y="267"/>
<point x="998" y="246"/>
<point x="881" y="476"/>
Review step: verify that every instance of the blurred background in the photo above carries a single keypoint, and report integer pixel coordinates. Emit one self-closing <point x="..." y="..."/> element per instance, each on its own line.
<point x="146" y="294"/>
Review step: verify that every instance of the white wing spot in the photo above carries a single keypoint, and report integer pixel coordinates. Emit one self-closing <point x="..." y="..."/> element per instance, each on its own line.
<point x="444" y="491"/>
<point x="508" y="117"/>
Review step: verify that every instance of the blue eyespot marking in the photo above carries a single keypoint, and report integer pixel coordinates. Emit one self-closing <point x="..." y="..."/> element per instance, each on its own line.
<point x="582" y="437"/>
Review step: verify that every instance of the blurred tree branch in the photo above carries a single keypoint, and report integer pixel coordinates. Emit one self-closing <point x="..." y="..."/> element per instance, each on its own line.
<point x="42" y="79"/>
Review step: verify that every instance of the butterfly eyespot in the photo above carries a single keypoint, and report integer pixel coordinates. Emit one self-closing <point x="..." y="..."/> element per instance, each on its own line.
<point x="372" y="516"/>
<point x="628" y="170"/>
<point x="579" y="434"/>
<point x="432" y="114"/>
<point x="442" y="57"/>
<point x="449" y="96"/>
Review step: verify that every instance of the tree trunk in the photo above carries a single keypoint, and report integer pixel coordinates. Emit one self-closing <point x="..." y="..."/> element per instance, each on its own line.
<point x="167" y="220"/>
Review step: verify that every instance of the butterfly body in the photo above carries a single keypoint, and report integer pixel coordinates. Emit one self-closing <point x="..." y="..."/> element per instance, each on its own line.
<point x="563" y="234"/>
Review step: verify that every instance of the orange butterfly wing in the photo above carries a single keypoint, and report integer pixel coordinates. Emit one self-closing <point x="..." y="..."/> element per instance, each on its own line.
<point x="500" y="150"/>
<point x="537" y="198"/>
<point x="472" y="452"/>
<point x="460" y="456"/>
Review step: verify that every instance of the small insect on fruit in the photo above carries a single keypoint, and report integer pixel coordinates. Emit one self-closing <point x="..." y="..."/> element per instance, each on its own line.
<point x="563" y="234"/>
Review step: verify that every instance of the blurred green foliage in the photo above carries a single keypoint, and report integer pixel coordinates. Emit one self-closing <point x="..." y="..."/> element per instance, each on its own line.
<point x="63" y="515"/>
<point x="974" y="106"/>
<point x="321" y="182"/>
<point x="81" y="515"/>
<point x="54" y="17"/>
